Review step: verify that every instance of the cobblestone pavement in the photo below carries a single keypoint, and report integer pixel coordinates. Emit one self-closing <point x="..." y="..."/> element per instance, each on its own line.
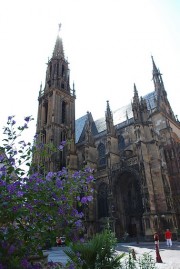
<point x="169" y="256"/>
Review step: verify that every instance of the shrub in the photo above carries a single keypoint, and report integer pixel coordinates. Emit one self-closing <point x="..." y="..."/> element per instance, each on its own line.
<point x="97" y="253"/>
<point x="35" y="206"/>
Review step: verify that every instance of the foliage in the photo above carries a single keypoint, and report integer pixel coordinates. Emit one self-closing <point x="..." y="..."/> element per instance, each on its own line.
<point x="144" y="262"/>
<point x="130" y="263"/>
<point x="35" y="206"/>
<point x="97" y="253"/>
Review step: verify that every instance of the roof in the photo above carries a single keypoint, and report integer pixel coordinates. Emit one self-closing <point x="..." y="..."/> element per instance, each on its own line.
<point x="151" y="100"/>
<point x="79" y="126"/>
<point x="120" y="115"/>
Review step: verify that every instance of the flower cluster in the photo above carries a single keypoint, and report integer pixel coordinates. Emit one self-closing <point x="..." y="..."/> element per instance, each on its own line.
<point x="36" y="207"/>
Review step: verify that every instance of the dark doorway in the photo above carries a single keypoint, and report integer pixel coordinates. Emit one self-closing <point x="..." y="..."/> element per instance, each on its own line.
<point x="128" y="204"/>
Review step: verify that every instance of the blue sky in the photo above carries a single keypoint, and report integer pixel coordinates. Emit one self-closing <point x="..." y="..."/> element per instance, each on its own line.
<point x="108" y="43"/>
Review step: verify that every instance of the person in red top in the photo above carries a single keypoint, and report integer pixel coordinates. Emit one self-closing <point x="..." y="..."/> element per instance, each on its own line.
<point x="58" y="241"/>
<point x="168" y="237"/>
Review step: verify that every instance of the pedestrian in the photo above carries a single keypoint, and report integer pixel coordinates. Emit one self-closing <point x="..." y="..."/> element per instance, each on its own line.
<point x="58" y="241"/>
<point x="156" y="241"/>
<point x="168" y="237"/>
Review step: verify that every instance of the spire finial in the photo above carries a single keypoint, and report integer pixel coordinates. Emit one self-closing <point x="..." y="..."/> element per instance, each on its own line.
<point x="135" y="90"/>
<point x="108" y="110"/>
<point x="155" y="70"/>
<point x="59" y="27"/>
<point x="108" y="107"/>
<point x="58" y="49"/>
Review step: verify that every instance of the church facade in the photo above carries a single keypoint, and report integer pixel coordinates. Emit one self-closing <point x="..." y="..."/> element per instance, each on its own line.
<point x="134" y="151"/>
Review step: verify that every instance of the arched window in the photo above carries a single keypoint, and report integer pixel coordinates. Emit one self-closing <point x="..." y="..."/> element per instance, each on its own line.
<point x="46" y="112"/>
<point x="57" y="70"/>
<point x="103" y="201"/>
<point x="147" y="223"/>
<point x="102" y="154"/>
<point x="63" y="152"/>
<point x="50" y="71"/>
<point x="62" y="71"/>
<point x="63" y="112"/>
<point x="121" y="142"/>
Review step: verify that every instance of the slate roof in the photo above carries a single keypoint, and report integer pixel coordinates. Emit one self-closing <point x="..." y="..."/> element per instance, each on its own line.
<point x="151" y="100"/>
<point x="79" y="126"/>
<point x="119" y="116"/>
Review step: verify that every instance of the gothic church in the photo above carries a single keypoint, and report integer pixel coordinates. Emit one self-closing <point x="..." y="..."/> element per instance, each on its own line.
<point x="134" y="151"/>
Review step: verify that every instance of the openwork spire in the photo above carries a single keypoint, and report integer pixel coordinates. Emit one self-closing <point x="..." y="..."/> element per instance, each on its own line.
<point x="58" y="49"/>
<point x="155" y="71"/>
<point x="109" y="120"/>
<point x="108" y="110"/>
<point x="136" y="96"/>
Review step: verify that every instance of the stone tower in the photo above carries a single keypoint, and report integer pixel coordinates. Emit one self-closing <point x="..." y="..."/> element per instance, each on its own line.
<point x="155" y="186"/>
<point x="56" y="111"/>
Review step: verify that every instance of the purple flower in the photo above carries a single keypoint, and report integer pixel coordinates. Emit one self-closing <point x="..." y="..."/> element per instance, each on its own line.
<point x="63" y="143"/>
<point x="40" y="146"/>
<point x="11" y="188"/>
<point x="59" y="183"/>
<point x="12" y="160"/>
<point x="89" y="198"/>
<point x="20" y="194"/>
<point x="88" y="170"/>
<point x="74" y="212"/>
<point x="63" y="197"/>
<point x="10" y="118"/>
<point x="3" y="169"/>
<point x="11" y="249"/>
<point x="24" y="263"/>
<point x="84" y="200"/>
<point x="76" y="174"/>
<point x="15" y="208"/>
<point x="4" y="244"/>
<point x="60" y="211"/>
<point x="2" y="157"/>
<point x="2" y="183"/>
<point x="61" y="146"/>
<point x="36" y="136"/>
<point x="62" y="173"/>
<point x="80" y="215"/>
<point x="51" y="263"/>
<point x="78" y="254"/>
<point x="49" y="176"/>
<point x="27" y="118"/>
<point x="71" y="266"/>
<point x="89" y="179"/>
<point x="78" y="223"/>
